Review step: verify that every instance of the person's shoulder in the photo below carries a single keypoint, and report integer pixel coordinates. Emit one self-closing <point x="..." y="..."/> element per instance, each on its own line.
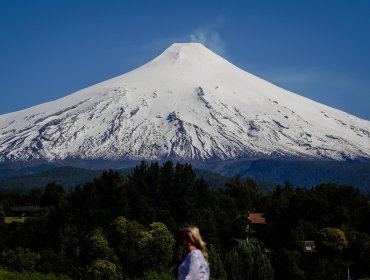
<point x="196" y="252"/>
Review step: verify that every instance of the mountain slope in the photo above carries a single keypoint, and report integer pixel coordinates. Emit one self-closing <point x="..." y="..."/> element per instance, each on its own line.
<point x="188" y="103"/>
<point x="267" y="173"/>
<point x="302" y="173"/>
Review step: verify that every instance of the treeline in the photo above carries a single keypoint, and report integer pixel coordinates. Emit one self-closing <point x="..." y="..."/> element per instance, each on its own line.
<point x="125" y="228"/>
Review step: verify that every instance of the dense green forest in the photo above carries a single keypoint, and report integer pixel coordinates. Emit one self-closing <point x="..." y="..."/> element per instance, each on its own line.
<point x="118" y="227"/>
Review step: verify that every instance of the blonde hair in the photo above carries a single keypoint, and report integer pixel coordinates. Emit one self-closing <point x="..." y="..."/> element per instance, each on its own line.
<point x="195" y="238"/>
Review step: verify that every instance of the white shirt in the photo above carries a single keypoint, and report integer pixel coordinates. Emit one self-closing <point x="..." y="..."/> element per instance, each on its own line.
<point x="194" y="267"/>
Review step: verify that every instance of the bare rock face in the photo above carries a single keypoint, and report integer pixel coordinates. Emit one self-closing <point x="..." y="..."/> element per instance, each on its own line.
<point x="187" y="103"/>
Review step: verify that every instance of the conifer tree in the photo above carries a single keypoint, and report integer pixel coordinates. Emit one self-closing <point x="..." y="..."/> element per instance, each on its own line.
<point x="2" y="212"/>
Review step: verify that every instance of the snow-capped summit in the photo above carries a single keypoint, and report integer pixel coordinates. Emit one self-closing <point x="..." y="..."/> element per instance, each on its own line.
<point x="187" y="103"/>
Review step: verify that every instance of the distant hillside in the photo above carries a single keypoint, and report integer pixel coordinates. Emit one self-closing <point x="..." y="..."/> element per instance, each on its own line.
<point x="268" y="173"/>
<point x="9" y="172"/>
<point x="70" y="177"/>
<point x="303" y="173"/>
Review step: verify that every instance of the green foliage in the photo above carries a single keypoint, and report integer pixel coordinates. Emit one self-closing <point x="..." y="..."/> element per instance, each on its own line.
<point x="97" y="247"/>
<point x="159" y="247"/>
<point x="215" y="263"/>
<point x="364" y="259"/>
<point x="2" y="212"/>
<point x="155" y="275"/>
<point x="130" y="223"/>
<point x="287" y="265"/>
<point x="235" y="265"/>
<point x="331" y="241"/>
<point x="324" y="269"/>
<point x="102" y="270"/>
<point x="9" y="220"/>
<point x="8" y="275"/>
<point x="57" y="263"/>
<point x="243" y="192"/>
<point x="248" y="261"/>
<point x="99" y="202"/>
<point x="110" y="195"/>
<point x="125" y="236"/>
<point x="141" y="249"/>
<point x="298" y="214"/>
<point x="54" y="195"/>
<point x="19" y="259"/>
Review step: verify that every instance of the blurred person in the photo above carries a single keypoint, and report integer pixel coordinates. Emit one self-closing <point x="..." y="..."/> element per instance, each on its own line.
<point x="195" y="265"/>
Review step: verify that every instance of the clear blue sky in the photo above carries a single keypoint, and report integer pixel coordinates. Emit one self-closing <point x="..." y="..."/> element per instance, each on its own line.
<point x="318" y="49"/>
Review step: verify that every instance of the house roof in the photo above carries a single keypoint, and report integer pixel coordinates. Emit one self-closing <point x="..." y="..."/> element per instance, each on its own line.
<point x="257" y="218"/>
<point x="309" y="246"/>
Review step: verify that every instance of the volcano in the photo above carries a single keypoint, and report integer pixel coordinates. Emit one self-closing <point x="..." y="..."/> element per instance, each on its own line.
<point x="186" y="104"/>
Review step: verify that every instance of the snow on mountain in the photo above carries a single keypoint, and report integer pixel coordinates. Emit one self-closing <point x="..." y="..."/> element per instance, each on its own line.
<point x="187" y="103"/>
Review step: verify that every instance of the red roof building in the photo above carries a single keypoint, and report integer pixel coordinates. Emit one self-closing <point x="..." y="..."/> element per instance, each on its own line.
<point x="257" y="219"/>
